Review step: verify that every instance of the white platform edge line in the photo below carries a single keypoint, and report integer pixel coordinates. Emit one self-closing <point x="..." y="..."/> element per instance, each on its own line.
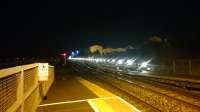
<point x="93" y="106"/>
<point x="129" y="104"/>
<point x="49" y="104"/>
<point x="75" y="101"/>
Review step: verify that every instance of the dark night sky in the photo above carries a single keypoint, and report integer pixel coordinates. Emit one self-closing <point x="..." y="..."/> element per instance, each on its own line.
<point x="37" y="28"/>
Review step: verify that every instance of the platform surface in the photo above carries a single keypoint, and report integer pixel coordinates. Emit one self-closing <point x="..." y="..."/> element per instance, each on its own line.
<point x="75" y="94"/>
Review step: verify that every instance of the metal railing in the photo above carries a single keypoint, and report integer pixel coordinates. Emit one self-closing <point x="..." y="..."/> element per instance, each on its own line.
<point x="187" y="67"/>
<point x="20" y="88"/>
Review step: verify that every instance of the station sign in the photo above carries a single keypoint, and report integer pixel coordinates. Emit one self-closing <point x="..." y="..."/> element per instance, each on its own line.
<point x="43" y="71"/>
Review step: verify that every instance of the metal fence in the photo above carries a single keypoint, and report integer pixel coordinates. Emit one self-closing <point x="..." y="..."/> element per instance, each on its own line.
<point x="179" y="66"/>
<point x="20" y="89"/>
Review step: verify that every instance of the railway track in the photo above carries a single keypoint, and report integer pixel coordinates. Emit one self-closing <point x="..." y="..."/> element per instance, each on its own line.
<point x="191" y="91"/>
<point x="185" y="83"/>
<point x="91" y="76"/>
<point x="185" y="86"/>
<point x="139" y="104"/>
<point x="161" y="96"/>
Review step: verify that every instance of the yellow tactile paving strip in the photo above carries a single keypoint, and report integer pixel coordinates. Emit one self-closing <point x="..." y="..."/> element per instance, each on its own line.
<point x="100" y="92"/>
<point x="112" y="104"/>
<point x="107" y="102"/>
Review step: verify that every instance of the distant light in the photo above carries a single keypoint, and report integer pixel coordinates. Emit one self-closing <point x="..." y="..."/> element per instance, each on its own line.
<point x="129" y="62"/>
<point x="101" y="59"/>
<point x="108" y="60"/>
<point x="73" y="53"/>
<point x="148" y="68"/>
<point x="70" y="57"/>
<point x="144" y="64"/>
<point x="119" y="62"/>
<point x="64" y="54"/>
<point x="143" y="71"/>
<point x="97" y="60"/>
<point x="90" y="59"/>
<point x="113" y="60"/>
<point x="77" y="51"/>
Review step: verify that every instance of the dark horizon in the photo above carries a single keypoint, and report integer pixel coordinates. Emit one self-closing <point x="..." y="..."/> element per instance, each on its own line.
<point x="48" y="28"/>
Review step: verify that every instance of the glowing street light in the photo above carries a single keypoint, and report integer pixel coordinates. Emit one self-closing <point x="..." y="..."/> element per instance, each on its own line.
<point x="113" y="60"/>
<point x="129" y="62"/>
<point x="119" y="62"/>
<point x="70" y="57"/>
<point x="108" y="60"/>
<point x="144" y="64"/>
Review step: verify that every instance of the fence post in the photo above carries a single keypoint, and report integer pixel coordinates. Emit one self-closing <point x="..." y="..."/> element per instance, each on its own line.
<point x="174" y="66"/>
<point x="20" y="90"/>
<point x="190" y="67"/>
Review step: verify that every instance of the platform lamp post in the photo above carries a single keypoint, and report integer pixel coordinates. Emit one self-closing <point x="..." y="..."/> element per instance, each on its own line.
<point x="64" y="56"/>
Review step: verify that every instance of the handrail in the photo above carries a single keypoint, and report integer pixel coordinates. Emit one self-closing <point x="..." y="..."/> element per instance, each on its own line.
<point x="9" y="71"/>
<point x="21" y="89"/>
